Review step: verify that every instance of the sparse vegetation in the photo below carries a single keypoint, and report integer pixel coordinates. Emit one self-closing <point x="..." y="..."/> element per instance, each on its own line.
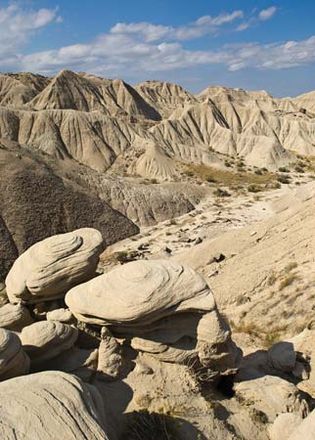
<point x="230" y="178"/>
<point x="271" y="338"/>
<point x="290" y="266"/>
<point x="144" y="425"/>
<point x="283" y="178"/>
<point x="219" y="192"/>
<point x="284" y="170"/>
<point x="254" y="188"/>
<point x="287" y="281"/>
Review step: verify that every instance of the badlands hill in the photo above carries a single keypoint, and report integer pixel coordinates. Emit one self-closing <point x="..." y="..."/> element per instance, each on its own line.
<point x="37" y="200"/>
<point x="95" y="121"/>
<point x="155" y="131"/>
<point x="141" y="149"/>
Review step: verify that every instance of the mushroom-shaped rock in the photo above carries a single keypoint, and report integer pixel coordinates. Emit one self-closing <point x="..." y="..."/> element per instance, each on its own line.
<point x="166" y="309"/>
<point x="13" y="360"/>
<point x="49" y="405"/>
<point x="45" y="340"/>
<point x="14" y="317"/>
<point x="50" y="267"/>
<point x="140" y="292"/>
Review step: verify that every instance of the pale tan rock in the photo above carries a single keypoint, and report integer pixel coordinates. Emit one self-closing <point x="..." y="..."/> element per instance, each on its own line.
<point x="44" y="405"/>
<point x="272" y="396"/>
<point x="45" y="340"/>
<point x="140" y="292"/>
<point x="306" y="429"/>
<point x="13" y="360"/>
<point x="284" y="425"/>
<point x="14" y="317"/>
<point x="109" y="356"/>
<point x="304" y="344"/>
<point x="145" y="301"/>
<point x="48" y="268"/>
<point x="61" y="315"/>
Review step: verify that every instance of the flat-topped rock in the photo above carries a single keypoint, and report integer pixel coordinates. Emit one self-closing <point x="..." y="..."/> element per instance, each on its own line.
<point x="50" y="267"/>
<point x="49" y="405"/>
<point x="14" y="317"/>
<point x="45" y="340"/>
<point x="140" y="292"/>
<point x="13" y="360"/>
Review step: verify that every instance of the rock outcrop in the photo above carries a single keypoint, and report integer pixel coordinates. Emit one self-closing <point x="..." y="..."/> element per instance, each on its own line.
<point x="13" y="360"/>
<point x="45" y="340"/>
<point x="165" y="309"/>
<point x="14" y="317"/>
<point x="49" y="268"/>
<point x="44" y="405"/>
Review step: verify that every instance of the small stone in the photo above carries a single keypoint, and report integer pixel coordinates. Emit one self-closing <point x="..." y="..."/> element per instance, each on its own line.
<point x="219" y="257"/>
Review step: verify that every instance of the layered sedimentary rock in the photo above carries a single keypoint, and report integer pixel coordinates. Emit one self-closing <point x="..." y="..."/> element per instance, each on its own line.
<point x="13" y="360"/>
<point x="165" y="309"/>
<point x="44" y="405"/>
<point x="14" y="317"/>
<point x="45" y="340"/>
<point x="48" y="268"/>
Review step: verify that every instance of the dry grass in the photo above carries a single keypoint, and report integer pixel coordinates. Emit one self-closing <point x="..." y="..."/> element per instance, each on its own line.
<point x="144" y="425"/>
<point x="290" y="266"/>
<point x="288" y="280"/>
<point x="229" y="178"/>
<point x="266" y="337"/>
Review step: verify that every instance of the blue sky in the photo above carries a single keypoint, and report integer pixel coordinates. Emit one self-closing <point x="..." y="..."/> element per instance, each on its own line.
<point x="251" y="44"/>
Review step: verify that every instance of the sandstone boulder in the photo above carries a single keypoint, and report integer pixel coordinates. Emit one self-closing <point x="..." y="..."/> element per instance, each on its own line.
<point x="271" y="396"/>
<point x="13" y="360"/>
<point x="49" y="268"/>
<point x="61" y="315"/>
<point x="284" y="425"/>
<point x="14" y="317"/>
<point x="45" y="340"/>
<point x="306" y="429"/>
<point x="49" y="405"/>
<point x="140" y="292"/>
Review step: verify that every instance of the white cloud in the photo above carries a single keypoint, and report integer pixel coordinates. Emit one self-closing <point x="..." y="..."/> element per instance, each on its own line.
<point x="139" y="49"/>
<point x="17" y="26"/>
<point x="151" y="32"/>
<point x="263" y="15"/>
<point x="116" y="54"/>
<point x="266" y="14"/>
